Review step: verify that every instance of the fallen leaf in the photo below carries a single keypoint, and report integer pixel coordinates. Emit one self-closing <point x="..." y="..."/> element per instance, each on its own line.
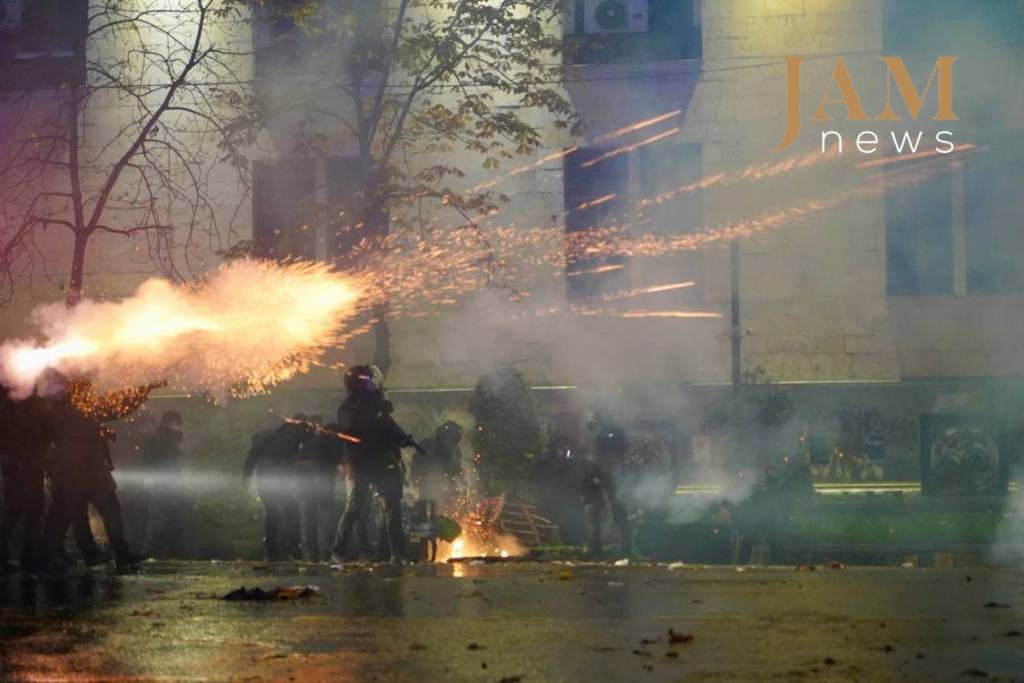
<point x="565" y="576"/>
<point x="674" y="637"/>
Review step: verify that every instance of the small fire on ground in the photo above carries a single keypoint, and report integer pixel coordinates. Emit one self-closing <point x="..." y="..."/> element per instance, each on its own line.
<point x="473" y="544"/>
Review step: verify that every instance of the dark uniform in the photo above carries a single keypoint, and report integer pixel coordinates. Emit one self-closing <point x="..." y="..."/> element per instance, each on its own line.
<point x="316" y="468"/>
<point x="81" y="469"/>
<point x="438" y="474"/>
<point x="24" y="427"/>
<point x="374" y="462"/>
<point x="599" y="491"/>
<point x="271" y="458"/>
<point x="165" y="489"/>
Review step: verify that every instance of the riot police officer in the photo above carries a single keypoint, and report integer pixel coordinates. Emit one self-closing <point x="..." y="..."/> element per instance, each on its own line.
<point x="271" y="459"/>
<point x="372" y="460"/>
<point x="599" y="489"/>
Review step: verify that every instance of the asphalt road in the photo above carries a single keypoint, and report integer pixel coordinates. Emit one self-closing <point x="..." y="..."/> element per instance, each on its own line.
<point x="516" y="623"/>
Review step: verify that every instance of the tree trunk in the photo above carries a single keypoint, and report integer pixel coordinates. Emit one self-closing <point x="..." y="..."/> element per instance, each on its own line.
<point x="74" y="293"/>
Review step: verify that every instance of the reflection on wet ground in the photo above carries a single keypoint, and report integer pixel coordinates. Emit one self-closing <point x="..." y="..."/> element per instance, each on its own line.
<point x="513" y="622"/>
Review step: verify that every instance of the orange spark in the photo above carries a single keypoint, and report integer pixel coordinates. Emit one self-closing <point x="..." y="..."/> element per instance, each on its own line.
<point x="670" y="314"/>
<point x="629" y="148"/>
<point x="597" y="202"/>
<point x="637" y="126"/>
<point x="883" y="161"/>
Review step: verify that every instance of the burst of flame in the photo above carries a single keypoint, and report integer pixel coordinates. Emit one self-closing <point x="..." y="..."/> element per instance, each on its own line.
<point x="248" y="326"/>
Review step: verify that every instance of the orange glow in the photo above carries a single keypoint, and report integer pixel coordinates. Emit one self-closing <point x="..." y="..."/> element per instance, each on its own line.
<point x="637" y="126"/>
<point x="629" y="148"/>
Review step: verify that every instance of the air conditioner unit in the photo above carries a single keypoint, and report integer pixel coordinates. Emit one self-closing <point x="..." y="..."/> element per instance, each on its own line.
<point x="615" y="16"/>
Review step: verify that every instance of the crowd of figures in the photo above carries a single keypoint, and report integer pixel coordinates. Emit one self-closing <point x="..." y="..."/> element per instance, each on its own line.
<point x="64" y="439"/>
<point x="55" y="463"/>
<point x="293" y="470"/>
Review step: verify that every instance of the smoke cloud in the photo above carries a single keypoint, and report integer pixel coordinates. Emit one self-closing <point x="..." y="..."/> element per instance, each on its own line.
<point x="250" y="325"/>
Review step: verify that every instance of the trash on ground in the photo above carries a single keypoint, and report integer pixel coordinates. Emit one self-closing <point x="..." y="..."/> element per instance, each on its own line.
<point x="258" y="594"/>
<point x="675" y="637"/>
<point x="624" y="562"/>
<point x="565" y="576"/>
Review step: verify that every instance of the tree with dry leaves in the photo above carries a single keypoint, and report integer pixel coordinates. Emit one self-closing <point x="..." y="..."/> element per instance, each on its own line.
<point x="119" y="118"/>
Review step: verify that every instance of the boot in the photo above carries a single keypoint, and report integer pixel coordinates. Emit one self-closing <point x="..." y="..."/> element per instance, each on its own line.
<point x="97" y="558"/>
<point x="125" y="558"/>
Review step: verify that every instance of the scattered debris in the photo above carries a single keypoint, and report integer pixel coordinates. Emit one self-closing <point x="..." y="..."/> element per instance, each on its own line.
<point x="648" y="641"/>
<point x="565" y="576"/>
<point x="672" y="655"/>
<point x="741" y="569"/>
<point x="977" y="673"/>
<point x="642" y="653"/>
<point x="674" y="637"/>
<point x="679" y="565"/>
<point x="908" y="565"/>
<point x="624" y="562"/>
<point x="259" y="595"/>
<point x="996" y="605"/>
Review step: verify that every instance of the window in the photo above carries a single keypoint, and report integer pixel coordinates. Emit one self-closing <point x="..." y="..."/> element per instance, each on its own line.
<point x="919" y="237"/>
<point x="994" y="212"/>
<point x="282" y="46"/>
<point x="284" y="194"/>
<point x="596" y="193"/>
<point x="309" y="209"/>
<point x="42" y="42"/>
<point x="961" y="231"/>
<point x="610" y="31"/>
<point x="606" y="191"/>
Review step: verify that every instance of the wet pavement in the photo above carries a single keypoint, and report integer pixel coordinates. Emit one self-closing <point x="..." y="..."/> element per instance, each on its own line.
<point x="507" y="623"/>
